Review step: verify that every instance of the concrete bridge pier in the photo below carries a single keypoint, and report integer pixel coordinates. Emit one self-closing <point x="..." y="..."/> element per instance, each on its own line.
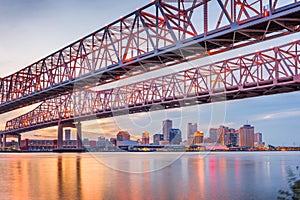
<point x="3" y="141"/>
<point x="60" y="136"/>
<point x="60" y="133"/>
<point x="19" y="141"/>
<point x="79" y="136"/>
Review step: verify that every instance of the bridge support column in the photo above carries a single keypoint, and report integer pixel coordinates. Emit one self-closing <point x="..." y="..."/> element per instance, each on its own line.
<point x="19" y="141"/>
<point x="79" y="136"/>
<point x="60" y="136"/>
<point x="4" y="141"/>
<point x="1" y="142"/>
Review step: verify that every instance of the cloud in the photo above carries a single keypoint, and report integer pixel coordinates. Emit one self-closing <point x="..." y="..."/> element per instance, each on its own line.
<point x="278" y="115"/>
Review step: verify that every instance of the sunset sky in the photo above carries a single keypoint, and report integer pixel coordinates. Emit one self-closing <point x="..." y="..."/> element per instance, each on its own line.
<point x="33" y="29"/>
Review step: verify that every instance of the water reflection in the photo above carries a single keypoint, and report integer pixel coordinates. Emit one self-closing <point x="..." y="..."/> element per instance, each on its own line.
<point x="191" y="176"/>
<point x="69" y="177"/>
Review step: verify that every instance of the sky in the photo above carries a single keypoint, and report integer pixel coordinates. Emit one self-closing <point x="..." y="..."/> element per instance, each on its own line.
<point x="33" y="29"/>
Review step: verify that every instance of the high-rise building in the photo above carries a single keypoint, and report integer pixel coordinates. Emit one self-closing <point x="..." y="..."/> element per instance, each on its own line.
<point x="123" y="135"/>
<point x="198" y="138"/>
<point x="258" y="139"/>
<point x="232" y="137"/>
<point x="221" y="133"/>
<point x="145" y="138"/>
<point x="246" y="136"/>
<point x="157" y="138"/>
<point x="191" y="129"/>
<point x="167" y="126"/>
<point x="175" y="136"/>
<point x="213" y="134"/>
<point x="67" y="134"/>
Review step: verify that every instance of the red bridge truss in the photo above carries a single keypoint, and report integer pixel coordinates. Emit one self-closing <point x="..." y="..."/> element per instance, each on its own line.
<point x="160" y="34"/>
<point x="274" y="70"/>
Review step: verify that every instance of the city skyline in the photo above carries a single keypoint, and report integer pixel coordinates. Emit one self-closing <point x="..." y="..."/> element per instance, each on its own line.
<point x="273" y="115"/>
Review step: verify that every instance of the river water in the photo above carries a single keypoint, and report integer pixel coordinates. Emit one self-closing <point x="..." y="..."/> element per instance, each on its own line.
<point x="213" y="175"/>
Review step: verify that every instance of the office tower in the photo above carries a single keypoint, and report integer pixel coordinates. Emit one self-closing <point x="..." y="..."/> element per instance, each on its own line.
<point x="222" y="131"/>
<point x="198" y="138"/>
<point x="258" y="139"/>
<point x="246" y="136"/>
<point x="145" y="138"/>
<point x="232" y="137"/>
<point x="213" y="134"/>
<point x="67" y="134"/>
<point x="157" y="138"/>
<point x="167" y="126"/>
<point x="175" y="136"/>
<point x="191" y="129"/>
<point x="123" y="135"/>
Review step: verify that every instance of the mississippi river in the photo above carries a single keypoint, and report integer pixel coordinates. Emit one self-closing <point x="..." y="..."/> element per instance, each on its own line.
<point x="211" y="176"/>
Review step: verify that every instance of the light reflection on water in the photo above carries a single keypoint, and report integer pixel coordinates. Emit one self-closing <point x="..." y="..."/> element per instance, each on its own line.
<point x="230" y="175"/>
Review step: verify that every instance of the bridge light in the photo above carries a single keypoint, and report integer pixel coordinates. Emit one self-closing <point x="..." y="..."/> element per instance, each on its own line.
<point x="239" y="4"/>
<point x="266" y="13"/>
<point x="127" y="59"/>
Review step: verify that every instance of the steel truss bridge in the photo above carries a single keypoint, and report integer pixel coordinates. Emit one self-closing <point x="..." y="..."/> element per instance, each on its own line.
<point x="275" y="70"/>
<point x="160" y="34"/>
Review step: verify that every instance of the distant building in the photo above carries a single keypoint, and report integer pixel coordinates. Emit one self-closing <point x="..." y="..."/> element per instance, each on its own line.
<point x="157" y="138"/>
<point x="93" y="143"/>
<point x="208" y="140"/>
<point x="213" y="134"/>
<point x="246" y="136"/>
<point x="127" y="144"/>
<point x="67" y="134"/>
<point x="221" y="133"/>
<point x="113" y="141"/>
<point x="101" y="142"/>
<point x="191" y="129"/>
<point x="123" y="135"/>
<point x="198" y="138"/>
<point x="45" y="145"/>
<point x="175" y="136"/>
<point x="167" y="126"/>
<point x="258" y="139"/>
<point x="86" y="141"/>
<point x="145" y="138"/>
<point x="232" y="138"/>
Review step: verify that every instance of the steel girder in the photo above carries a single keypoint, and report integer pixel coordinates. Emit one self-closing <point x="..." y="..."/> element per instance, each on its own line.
<point x="274" y="70"/>
<point x="157" y="35"/>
